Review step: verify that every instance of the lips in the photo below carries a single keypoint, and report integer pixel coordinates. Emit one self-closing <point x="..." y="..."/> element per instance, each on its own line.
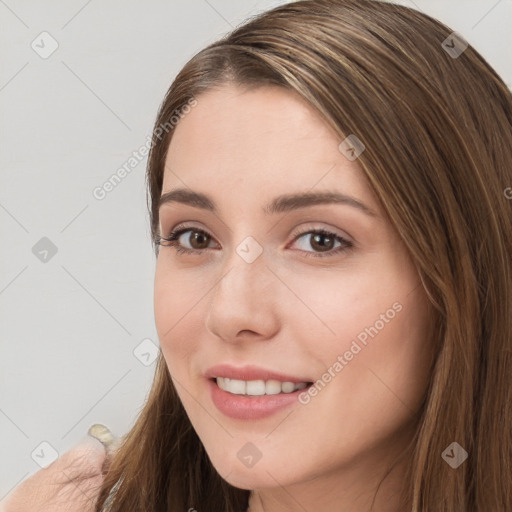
<point x="244" y="407"/>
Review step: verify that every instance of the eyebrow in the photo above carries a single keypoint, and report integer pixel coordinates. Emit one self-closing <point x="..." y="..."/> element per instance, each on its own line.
<point x="280" y="204"/>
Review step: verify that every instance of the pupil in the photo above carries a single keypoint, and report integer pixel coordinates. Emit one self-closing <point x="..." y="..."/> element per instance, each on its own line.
<point x="322" y="246"/>
<point x="196" y="237"/>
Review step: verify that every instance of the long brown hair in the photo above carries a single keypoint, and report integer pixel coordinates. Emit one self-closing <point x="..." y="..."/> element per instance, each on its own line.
<point x="437" y="129"/>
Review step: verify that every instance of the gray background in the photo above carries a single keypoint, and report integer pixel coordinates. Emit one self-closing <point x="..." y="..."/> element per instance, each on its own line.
<point x="77" y="335"/>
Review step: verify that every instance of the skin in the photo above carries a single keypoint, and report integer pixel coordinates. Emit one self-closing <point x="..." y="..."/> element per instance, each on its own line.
<point x="287" y="311"/>
<point x="53" y="488"/>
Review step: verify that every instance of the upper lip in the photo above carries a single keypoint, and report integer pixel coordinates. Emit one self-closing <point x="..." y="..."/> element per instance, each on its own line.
<point x="250" y="372"/>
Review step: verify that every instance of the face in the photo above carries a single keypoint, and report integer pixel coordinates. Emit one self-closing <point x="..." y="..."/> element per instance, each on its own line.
<point x="319" y="294"/>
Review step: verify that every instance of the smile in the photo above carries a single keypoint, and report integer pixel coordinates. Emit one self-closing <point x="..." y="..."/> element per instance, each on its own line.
<point x="237" y="403"/>
<point x="253" y="392"/>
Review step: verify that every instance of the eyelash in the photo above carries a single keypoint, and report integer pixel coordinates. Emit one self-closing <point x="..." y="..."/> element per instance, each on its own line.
<point x="175" y="234"/>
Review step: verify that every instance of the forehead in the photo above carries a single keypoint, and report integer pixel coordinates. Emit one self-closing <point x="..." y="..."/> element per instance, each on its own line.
<point x="257" y="142"/>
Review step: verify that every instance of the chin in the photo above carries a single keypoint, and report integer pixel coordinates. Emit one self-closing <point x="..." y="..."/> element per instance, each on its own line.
<point x="250" y="478"/>
<point x="266" y="472"/>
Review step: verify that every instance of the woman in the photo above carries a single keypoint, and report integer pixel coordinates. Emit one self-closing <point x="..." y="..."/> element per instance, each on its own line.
<point x="334" y="271"/>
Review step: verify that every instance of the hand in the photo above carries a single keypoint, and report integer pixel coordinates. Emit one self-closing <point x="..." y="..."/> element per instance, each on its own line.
<point x="70" y="484"/>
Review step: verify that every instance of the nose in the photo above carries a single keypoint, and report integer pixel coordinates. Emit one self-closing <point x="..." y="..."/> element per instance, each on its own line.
<point x="244" y="302"/>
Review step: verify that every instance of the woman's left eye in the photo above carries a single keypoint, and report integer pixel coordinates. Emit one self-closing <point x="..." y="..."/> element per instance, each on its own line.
<point x="324" y="241"/>
<point x="320" y="240"/>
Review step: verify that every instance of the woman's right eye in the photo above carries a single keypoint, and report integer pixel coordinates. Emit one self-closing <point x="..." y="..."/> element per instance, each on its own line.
<point x="175" y="239"/>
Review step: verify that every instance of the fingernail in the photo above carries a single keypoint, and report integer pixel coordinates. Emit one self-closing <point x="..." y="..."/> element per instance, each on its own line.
<point x="102" y="434"/>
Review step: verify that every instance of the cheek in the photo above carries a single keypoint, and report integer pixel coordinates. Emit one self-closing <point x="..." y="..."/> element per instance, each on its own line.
<point x="401" y="354"/>
<point x="177" y="305"/>
<point x="367" y="397"/>
<point x="340" y="306"/>
<point x="378" y="372"/>
<point x="372" y="345"/>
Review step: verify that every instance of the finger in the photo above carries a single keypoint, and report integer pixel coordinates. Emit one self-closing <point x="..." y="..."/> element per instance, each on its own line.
<point x="105" y="436"/>
<point x="70" y="484"/>
<point x="85" y="459"/>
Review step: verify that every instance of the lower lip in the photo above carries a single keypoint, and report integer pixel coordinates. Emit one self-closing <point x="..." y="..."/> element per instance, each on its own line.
<point x="242" y="407"/>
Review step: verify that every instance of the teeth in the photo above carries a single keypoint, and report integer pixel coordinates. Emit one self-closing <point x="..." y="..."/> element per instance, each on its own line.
<point x="257" y="387"/>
